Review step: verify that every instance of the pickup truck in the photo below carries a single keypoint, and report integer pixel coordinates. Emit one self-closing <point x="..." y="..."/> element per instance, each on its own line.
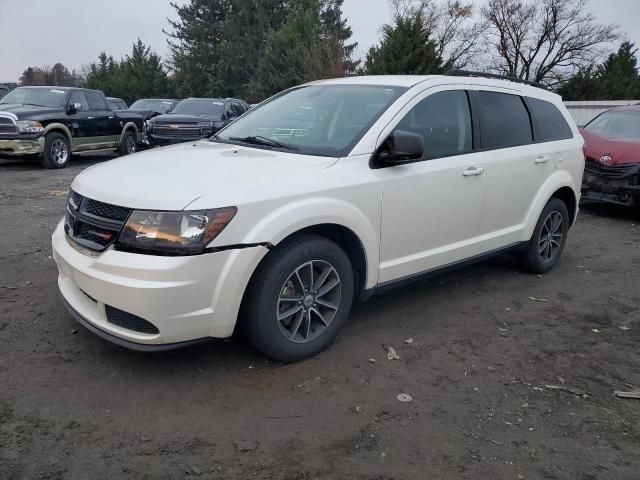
<point x="55" y="122"/>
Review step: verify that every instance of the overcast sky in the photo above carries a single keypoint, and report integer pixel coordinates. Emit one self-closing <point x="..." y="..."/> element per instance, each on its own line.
<point x="74" y="32"/>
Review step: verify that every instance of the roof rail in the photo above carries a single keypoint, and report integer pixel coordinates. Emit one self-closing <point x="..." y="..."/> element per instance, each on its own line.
<point x="467" y="73"/>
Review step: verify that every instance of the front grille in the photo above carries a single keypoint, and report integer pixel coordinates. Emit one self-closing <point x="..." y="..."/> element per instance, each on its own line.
<point x="129" y="321"/>
<point x="180" y="131"/>
<point x="92" y="224"/>
<point x="105" y="210"/>
<point x="7" y="126"/>
<point x="611" y="171"/>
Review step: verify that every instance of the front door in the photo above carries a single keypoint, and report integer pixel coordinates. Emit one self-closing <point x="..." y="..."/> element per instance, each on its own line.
<point x="78" y="121"/>
<point x="431" y="208"/>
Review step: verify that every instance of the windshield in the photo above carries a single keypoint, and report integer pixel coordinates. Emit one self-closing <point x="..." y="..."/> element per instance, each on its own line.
<point x="316" y="120"/>
<point x="41" y="97"/>
<point x="617" y="124"/>
<point x="208" y="106"/>
<point x="160" y="106"/>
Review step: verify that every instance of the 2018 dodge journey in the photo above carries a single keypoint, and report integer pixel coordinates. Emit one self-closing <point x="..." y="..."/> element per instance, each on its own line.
<point x="326" y="192"/>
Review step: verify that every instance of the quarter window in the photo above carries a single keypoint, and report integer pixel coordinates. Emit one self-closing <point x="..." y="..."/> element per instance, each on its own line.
<point x="444" y="122"/>
<point x="504" y="121"/>
<point x="551" y="124"/>
<point x="96" y="102"/>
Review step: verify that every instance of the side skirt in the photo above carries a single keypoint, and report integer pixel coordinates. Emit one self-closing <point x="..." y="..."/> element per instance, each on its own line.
<point x="391" y="284"/>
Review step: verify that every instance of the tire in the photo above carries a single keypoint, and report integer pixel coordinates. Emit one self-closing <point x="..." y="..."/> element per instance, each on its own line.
<point x="128" y="143"/>
<point x="549" y="237"/>
<point x="291" y="330"/>
<point x="57" y="151"/>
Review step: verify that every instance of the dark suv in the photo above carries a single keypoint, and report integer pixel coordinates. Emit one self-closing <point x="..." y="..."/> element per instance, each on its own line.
<point x="194" y="118"/>
<point x="58" y="121"/>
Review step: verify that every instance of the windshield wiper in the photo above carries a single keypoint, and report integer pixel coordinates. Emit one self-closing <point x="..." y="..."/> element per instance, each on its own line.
<point x="259" y="140"/>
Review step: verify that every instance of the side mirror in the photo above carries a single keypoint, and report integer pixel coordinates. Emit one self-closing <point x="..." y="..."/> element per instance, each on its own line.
<point x="73" y="108"/>
<point x="402" y="147"/>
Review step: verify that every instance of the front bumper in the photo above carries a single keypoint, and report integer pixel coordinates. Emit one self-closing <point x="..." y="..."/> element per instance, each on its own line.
<point x="22" y="146"/>
<point x="186" y="298"/>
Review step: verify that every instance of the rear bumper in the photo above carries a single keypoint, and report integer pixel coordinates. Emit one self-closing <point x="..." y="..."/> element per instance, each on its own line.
<point x="22" y="146"/>
<point x="187" y="299"/>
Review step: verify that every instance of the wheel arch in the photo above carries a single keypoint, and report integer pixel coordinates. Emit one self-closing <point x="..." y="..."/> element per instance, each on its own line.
<point x="568" y="196"/>
<point x="129" y="126"/>
<point x="59" y="128"/>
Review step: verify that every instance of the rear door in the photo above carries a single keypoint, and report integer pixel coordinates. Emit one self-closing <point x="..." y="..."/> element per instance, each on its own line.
<point x="104" y="125"/>
<point x="516" y="167"/>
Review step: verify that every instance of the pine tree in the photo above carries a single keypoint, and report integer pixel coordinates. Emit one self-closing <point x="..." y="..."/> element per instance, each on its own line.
<point x="337" y="32"/>
<point x="405" y="48"/>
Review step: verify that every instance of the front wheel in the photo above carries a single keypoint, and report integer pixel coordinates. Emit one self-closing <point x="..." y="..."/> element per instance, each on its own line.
<point x="128" y="143"/>
<point x="299" y="298"/>
<point x="57" y="152"/>
<point x="549" y="237"/>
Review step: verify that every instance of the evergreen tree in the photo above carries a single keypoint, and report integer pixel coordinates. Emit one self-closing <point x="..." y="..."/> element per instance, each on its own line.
<point x="337" y="32"/>
<point x="405" y="48"/>
<point x="616" y="79"/>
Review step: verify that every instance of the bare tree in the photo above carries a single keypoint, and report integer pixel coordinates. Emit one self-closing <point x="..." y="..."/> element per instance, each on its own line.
<point x="453" y="28"/>
<point x="545" y="41"/>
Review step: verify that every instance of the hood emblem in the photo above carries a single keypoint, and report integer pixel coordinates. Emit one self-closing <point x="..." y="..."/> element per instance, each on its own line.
<point x="606" y="159"/>
<point x="173" y="126"/>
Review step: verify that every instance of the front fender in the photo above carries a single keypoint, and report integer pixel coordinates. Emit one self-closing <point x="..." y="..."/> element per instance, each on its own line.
<point x="288" y="219"/>
<point x="558" y="180"/>
<point x="60" y="127"/>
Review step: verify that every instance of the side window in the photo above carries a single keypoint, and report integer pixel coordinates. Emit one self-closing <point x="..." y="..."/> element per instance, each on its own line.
<point x="229" y="111"/>
<point x="96" y="102"/>
<point x="504" y="121"/>
<point x="78" y="97"/>
<point x="551" y="124"/>
<point x="444" y="122"/>
<point x="237" y="108"/>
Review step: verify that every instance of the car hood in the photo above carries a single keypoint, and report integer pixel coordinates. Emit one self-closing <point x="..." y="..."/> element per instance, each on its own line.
<point x="171" y="178"/>
<point x="26" y="111"/>
<point x="621" y="150"/>
<point x="185" y="118"/>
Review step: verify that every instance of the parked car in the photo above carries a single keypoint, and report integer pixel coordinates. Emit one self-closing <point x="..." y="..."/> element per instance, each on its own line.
<point x="194" y="118"/>
<point x="277" y="230"/>
<point x="57" y="121"/>
<point x="612" y="150"/>
<point x="116" y="104"/>
<point x="157" y="106"/>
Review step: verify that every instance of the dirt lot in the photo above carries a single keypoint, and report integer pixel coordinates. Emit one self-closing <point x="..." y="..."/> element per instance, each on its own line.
<point x="73" y="406"/>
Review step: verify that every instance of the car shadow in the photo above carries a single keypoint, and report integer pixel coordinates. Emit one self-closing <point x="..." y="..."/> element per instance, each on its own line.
<point x="609" y="210"/>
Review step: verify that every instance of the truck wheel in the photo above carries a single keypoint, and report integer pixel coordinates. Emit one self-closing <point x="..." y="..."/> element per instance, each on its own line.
<point x="298" y="299"/>
<point x="128" y="143"/>
<point x="56" y="151"/>
<point x="549" y="237"/>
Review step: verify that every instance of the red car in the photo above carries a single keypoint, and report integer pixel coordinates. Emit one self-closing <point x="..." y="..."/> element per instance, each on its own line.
<point x="612" y="169"/>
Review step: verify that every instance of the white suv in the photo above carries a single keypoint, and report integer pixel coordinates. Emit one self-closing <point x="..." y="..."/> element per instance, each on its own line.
<point x="324" y="193"/>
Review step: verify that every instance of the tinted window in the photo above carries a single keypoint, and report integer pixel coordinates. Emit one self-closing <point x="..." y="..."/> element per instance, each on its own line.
<point x="617" y="124"/>
<point x="317" y="119"/>
<point x="78" y="97"/>
<point x="444" y="122"/>
<point x="550" y="122"/>
<point x="504" y="120"/>
<point x="160" y="106"/>
<point x="208" y="106"/>
<point x="96" y="102"/>
<point x="237" y="108"/>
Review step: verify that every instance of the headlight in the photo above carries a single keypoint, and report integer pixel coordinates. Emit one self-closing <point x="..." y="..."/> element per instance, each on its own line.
<point x="186" y="232"/>
<point x="29" y="126"/>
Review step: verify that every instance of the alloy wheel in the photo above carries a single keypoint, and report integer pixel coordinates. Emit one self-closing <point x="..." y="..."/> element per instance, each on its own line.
<point x="308" y="301"/>
<point x="131" y="144"/>
<point x="59" y="151"/>
<point x="551" y="236"/>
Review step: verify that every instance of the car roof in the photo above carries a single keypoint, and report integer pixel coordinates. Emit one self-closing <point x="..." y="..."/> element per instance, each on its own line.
<point x="630" y="108"/>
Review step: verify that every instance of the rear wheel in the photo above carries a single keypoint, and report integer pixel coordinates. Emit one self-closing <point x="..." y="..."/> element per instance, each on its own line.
<point x="549" y="237"/>
<point x="299" y="298"/>
<point x="128" y="143"/>
<point x="57" y="152"/>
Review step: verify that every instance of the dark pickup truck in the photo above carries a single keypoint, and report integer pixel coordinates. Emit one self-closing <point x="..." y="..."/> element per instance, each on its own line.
<point x="57" y="121"/>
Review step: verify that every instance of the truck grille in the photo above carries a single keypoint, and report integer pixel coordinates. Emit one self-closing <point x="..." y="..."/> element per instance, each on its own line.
<point x="7" y="126"/>
<point x="611" y="171"/>
<point x="92" y="224"/>
<point x="181" y="131"/>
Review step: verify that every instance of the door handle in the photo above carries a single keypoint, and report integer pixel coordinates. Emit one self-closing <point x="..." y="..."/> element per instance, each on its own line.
<point x="542" y="159"/>
<point x="473" y="171"/>
<point x="90" y="118"/>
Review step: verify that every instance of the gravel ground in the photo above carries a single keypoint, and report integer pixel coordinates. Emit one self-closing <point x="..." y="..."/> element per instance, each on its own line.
<point x="488" y="340"/>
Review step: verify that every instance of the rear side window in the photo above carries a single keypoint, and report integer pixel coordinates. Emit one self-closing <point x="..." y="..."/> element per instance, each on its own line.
<point x="96" y="102"/>
<point x="504" y="121"/>
<point x="550" y="123"/>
